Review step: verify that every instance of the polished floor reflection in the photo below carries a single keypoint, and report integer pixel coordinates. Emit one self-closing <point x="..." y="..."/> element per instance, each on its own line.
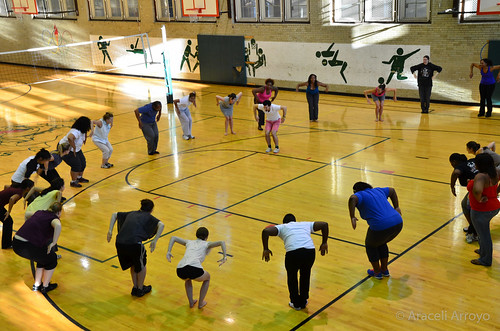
<point x="231" y="186"/>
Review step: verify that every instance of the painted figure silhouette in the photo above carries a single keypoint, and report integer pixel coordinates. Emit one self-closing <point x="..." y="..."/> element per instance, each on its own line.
<point x="103" y="46"/>
<point x="333" y="62"/>
<point x="398" y="64"/>
<point x="185" y="56"/>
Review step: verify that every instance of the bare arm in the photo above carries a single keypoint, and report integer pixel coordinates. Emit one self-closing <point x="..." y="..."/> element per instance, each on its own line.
<point x="392" y="90"/>
<point x="454" y="176"/>
<point x="158" y="116"/>
<point x="159" y="230"/>
<point x="71" y="140"/>
<point x="138" y="116"/>
<point x="492" y="146"/>
<point x="323" y="226"/>
<point x="257" y="90"/>
<point x="111" y="225"/>
<point x="271" y="231"/>
<point x="176" y="106"/>
<point x="218" y="98"/>
<point x="56" y="224"/>
<point x="284" y="114"/>
<point x="12" y="201"/>
<point x="238" y="97"/>
<point x="174" y="240"/>
<point x="365" y="92"/>
<point x="255" y="113"/>
<point x="275" y="89"/>
<point x="472" y="66"/>
<point x="353" y="201"/>
<point x="480" y="182"/>
<point x="394" y="199"/>
<point x="223" y="246"/>
<point x="300" y="85"/>
<point x="97" y="123"/>
<point x="323" y="85"/>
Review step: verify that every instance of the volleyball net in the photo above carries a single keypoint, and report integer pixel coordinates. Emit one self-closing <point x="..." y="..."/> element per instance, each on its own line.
<point x="63" y="59"/>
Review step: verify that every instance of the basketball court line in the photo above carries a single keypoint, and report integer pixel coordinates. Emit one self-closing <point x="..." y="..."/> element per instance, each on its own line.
<point x="310" y="317"/>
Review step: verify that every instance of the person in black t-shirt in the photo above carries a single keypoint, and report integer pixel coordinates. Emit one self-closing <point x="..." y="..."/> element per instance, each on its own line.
<point x="464" y="170"/>
<point x="426" y="72"/>
<point x="133" y="228"/>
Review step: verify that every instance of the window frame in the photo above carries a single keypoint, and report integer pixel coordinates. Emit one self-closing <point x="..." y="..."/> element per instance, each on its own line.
<point x="398" y="7"/>
<point x="6" y="6"/>
<point x="402" y="3"/>
<point x="107" y="6"/>
<point x="63" y="6"/>
<point x="260" y="8"/>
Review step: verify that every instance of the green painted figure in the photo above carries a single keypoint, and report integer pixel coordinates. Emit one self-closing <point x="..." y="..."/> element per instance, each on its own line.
<point x="333" y="62"/>
<point x="185" y="56"/>
<point x="103" y="47"/>
<point x="134" y="49"/>
<point x="398" y="64"/>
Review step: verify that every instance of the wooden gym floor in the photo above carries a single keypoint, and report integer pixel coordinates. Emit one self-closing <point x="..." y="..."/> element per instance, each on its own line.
<point x="231" y="186"/>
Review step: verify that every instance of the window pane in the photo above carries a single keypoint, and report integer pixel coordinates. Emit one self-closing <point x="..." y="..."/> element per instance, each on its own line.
<point x="347" y="11"/>
<point x="272" y="9"/>
<point x="5" y="5"/>
<point x="413" y="9"/>
<point x="70" y="5"/>
<point x="99" y="8"/>
<point x="248" y="9"/>
<point x="133" y="8"/>
<point x="116" y="8"/>
<point x="378" y="10"/>
<point x="298" y="9"/>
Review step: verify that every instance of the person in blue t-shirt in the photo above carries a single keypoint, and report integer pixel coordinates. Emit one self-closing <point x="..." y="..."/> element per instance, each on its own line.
<point x="147" y="116"/>
<point x="384" y="222"/>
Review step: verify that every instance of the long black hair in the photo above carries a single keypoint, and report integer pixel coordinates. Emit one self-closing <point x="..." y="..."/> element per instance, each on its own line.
<point x="315" y="81"/>
<point x="485" y="164"/>
<point x="82" y="124"/>
<point x="473" y="145"/>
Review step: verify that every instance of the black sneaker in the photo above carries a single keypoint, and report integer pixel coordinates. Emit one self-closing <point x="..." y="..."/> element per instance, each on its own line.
<point x="36" y="288"/>
<point x="134" y="292"/>
<point x="75" y="184"/>
<point x="145" y="290"/>
<point x="110" y="164"/>
<point x="50" y="287"/>
<point x="82" y="180"/>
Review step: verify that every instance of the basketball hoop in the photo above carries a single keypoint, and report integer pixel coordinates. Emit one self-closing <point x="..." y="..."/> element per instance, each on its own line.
<point x="24" y="7"/>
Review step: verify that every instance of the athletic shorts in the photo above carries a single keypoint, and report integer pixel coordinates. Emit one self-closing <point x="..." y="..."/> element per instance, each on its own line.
<point x="376" y="98"/>
<point x="77" y="163"/>
<point x="273" y="125"/>
<point x="131" y="255"/>
<point x="189" y="272"/>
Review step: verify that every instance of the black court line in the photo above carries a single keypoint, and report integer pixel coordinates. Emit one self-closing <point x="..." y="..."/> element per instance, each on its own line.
<point x="310" y="317"/>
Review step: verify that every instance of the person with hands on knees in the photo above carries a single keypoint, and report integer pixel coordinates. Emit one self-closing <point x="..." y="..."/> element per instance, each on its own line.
<point x="300" y="254"/>
<point x="181" y="107"/>
<point x="133" y="228"/>
<point x="148" y="116"/>
<point x="190" y="268"/>
<point x="36" y="240"/>
<point x="384" y="222"/>
<point x="273" y="121"/>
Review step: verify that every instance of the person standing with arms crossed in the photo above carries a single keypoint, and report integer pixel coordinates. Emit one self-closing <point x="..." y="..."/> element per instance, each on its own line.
<point x="300" y="254"/>
<point x="147" y="116"/>
<point x="426" y="71"/>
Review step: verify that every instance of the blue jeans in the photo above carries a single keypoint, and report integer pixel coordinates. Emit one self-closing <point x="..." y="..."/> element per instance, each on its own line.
<point x="481" y="221"/>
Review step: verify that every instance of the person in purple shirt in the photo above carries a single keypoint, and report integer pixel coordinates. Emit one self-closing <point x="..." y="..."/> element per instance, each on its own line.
<point x="9" y="196"/>
<point x="147" y="116"/>
<point x="36" y="240"/>
<point x="384" y="222"/>
<point x="487" y="85"/>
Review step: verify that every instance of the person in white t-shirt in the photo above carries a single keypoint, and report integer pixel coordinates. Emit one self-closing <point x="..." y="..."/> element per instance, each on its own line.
<point x="100" y="138"/>
<point x="182" y="109"/>
<point x="273" y="121"/>
<point x="190" y="268"/>
<point x="300" y="254"/>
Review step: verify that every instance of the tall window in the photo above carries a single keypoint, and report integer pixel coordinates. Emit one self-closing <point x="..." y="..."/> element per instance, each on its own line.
<point x="114" y="9"/>
<point x="171" y="10"/>
<point x="6" y="8"/>
<point x="355" y="11"/>
<point x="56" y="9"/>
<point x="272" y="10"/>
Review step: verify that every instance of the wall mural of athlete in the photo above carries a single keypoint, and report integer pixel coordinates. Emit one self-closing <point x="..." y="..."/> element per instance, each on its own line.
<point x="398" y="64"/>
<point x="333" y="62"/>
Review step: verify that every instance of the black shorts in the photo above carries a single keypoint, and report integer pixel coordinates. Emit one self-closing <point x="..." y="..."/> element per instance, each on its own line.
<point x="189" y="272"/>
<point x="77" y="163"/>
<point x="37" y="254"/>
<point x="131" y="255"/>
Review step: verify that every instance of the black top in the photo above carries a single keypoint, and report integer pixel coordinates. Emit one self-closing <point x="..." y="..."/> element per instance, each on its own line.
<point x="467" y="171"/>
<point x="135" y="227"/>
<point x="425" y="73"/>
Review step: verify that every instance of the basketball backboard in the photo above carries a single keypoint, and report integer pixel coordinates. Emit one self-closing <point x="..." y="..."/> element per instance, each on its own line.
<point x="200" y="8"/>
<point x="24" y="7"/>
<point x="488" y="7"/>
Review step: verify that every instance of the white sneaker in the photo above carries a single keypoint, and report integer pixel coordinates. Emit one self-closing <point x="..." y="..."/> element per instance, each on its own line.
<point x="268" y="150"/>
<point x="292" y="306"/>
<point x="469" y="238"/>
<point x="185" y="137"/>
<point x="276" y="150"/>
